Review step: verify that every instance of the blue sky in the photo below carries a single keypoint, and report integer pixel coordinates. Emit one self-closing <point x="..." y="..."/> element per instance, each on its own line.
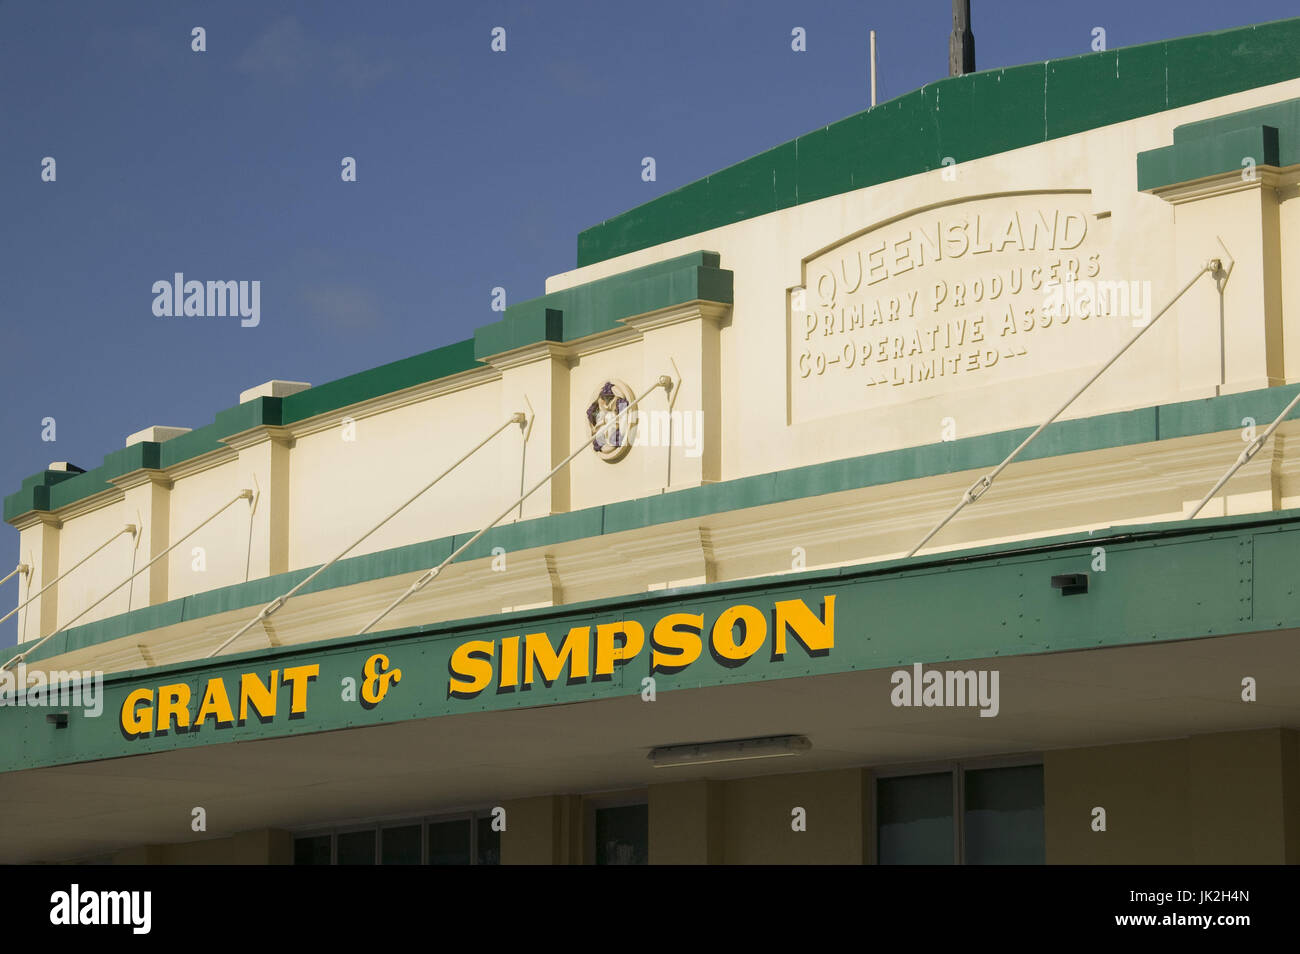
<point x="474" y="169"/>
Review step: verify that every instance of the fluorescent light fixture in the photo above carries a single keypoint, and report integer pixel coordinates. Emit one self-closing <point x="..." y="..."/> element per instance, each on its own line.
<point x="735" y="750"/>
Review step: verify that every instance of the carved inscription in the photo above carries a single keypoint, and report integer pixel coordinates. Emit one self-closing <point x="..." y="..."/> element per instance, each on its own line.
<point x="940" y="300"/>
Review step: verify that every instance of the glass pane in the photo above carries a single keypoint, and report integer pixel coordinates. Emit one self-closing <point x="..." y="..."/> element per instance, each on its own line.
<point x="914" y="820"/>
<point x="449" y="842"/>
<point x="1004" y="816"/>
<point x="312" y="851"/>
<point x="357" y="848"/>
<point x="401" y="845"/>
<point x="623" y="835"/>
<point x="489" y="842"/>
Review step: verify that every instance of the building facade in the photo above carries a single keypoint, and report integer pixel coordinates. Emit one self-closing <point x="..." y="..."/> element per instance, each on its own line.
<point x="716" y="631"/>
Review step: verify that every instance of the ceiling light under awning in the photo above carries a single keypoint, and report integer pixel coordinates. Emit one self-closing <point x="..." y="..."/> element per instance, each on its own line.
<point x="735" y="750"/>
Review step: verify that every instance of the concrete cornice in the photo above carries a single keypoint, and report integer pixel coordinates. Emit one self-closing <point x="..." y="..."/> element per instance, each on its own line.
<point x="1227" y="183"/>
<point x="197" y="465"/>
<point x="34" y="517"/>
<point x="105" y="498"/>
<point x="605" y="341"/>
<point x="392" y="401"/>
<point x="135" y="478"/>
<point x="530" y="354"/>
<point x="690" y="311"/>
<point x="258" y="435"/>
<point x="632" y="330"/>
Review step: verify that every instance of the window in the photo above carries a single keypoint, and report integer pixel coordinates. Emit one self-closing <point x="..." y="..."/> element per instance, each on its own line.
<point x="449" y="842"/>
<point x="356" y="848"/>
<point x="401" y="845"/>
<point x="964" y="815"/>
<point x="623" y="835"/>
<point x="487" y="844"/>
<point x="914" y="820"/>
<point x="1003" y="820"/>
<point x="312" y="851"/>
<point x="461" y="840"/>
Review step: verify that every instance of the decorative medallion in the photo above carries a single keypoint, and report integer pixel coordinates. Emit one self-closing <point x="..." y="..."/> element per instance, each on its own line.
<point x="609" y="401"/>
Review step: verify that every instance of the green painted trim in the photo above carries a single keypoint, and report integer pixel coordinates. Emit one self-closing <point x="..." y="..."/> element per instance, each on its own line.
<point x="597" y="306"/>
<point x="954" y="607"/>
<point x="36" y="490"/>
<point x="431" y="366"/>
<point x="1268" y="134"/>
<point x="1121" y="429"/>
<point x="561" y="316"/>
<point x="965" y="118"/>
<point x="51" y="490"/>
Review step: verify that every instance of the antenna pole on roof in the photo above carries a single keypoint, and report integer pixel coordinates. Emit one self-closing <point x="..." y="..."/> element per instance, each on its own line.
<point x="873" y="69"/>
<point x="961" y="45"/>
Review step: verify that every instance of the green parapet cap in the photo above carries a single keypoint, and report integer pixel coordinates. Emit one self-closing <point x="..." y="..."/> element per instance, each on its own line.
<point x="562" y="316"/>
<point x="1264" y="136"/>
<point x="51" y="490"/>
<point x="599" y="305"/>
<point x="960" y="118"/>
<point x="396" y="376"/>
<point x="35" y="492"/>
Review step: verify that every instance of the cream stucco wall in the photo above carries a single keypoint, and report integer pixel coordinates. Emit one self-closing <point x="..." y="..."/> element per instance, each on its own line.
<point x="344" y="478"/>
<point x="223" y="543"/>
<point x="1224" y="798"/>
<point x="753" y="820"/>
<point x="1289" y="228"/>
<point x="544" y="830"/>
<point x="1139" y="237"/>
<point x="81" y="535"/>
<point x="261" y="847"/>
<point x="752" y="375"/>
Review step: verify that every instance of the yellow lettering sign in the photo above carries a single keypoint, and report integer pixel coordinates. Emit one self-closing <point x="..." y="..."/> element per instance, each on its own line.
<point x="676" y="641"/>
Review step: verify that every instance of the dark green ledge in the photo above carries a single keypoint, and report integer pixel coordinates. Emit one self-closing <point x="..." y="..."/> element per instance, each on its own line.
<point x="408" y="372"/>
<point x="52" y="490"/>
<point x="597" y="306"/>
<point x="562" y="316"/>
<point x="1120" y="429"/>
<point x="1270" y="135"/>
<point x="964" y="117"/>
<point x="1165" y="582"/>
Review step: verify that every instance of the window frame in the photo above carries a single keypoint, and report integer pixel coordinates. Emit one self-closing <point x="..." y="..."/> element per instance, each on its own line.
<point x="377" y="825"/>
<point x="352" y="830"/>
<point x="957" y="768"/>
<point x="591" y="804"/>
